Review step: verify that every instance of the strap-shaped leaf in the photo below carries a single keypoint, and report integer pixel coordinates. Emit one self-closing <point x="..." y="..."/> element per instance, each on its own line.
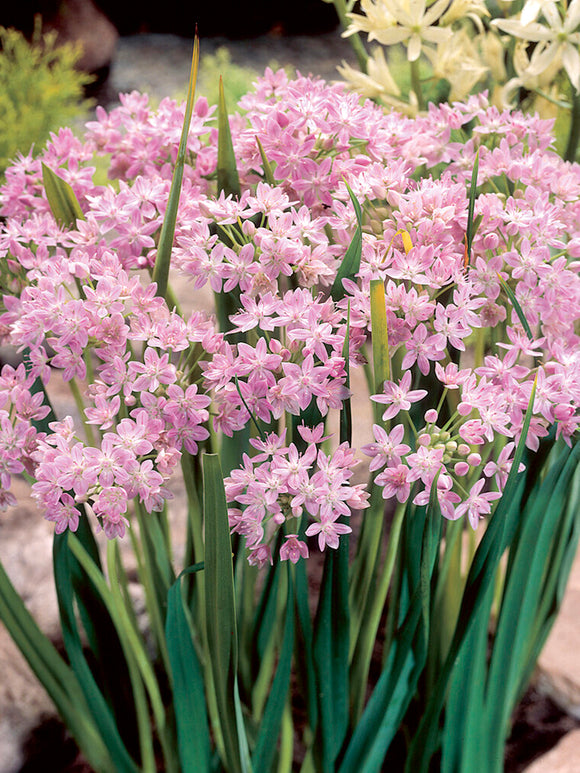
<point x="519" y="311"/>
<point x="381" y="358"/>
<point x="345" y="411"/>
<point x="188" y="686"/>
<point x="268" y="173"/>
<point x="350" y="265"/>
<point x="101" y="712"/>
<point x="221" y="630"/>
<point x="265" y="747"/>
<point x="57" y="678"/>
<point x="227" y="171"/>
<point x="471" y="225"/>
<point x="165" y="246"/>
<point x="64" y="204"/>
<point x="331" y="646"/>
<point x="517" y="621"/>
<point x="481" y="575"/>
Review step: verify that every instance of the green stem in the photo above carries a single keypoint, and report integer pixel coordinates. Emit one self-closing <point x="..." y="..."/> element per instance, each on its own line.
<point x="367" y="635"/>
<point x="119" y="589"/>
<point x="355" y="41"/>
<point x="152" y="595"/>
<point x="416" y="84"/>
<point x="574" y="136"/>
<point x="80" y="404"/>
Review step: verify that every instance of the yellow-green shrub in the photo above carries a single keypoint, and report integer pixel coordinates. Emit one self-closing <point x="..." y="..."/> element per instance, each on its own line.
<point x="40" y="90"/>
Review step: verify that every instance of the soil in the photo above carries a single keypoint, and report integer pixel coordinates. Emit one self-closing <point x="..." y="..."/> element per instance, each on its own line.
<point x="538" y="726"/>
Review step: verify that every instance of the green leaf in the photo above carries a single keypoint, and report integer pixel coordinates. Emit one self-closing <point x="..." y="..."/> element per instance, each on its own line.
<point x="481" y="574"/>
<point x="222" y="641"/>
<point x="471" y="225"/>
<point x="380" y="339"/>
<point x="265" y="747"/>
<point x="227" y="171"/>
<point x="304" y="640"/>
<point x="408" y="654"/>
<point x="519" y="311"/>
<point x="64" y="204"/>
<point x="389" y="701"/>
<point x="188" y="686"/>
<point x="268" y="173"/>
<point x="165" y="246"/>
<point x="102" y="638"/>
<point x="350" y="265"/>
<point x="464" y="708"/>
<point x="57" y="678"/>
<point x="345" y="411"/>
<point x="524" y="582"/>
<point x="331" y="648"/>
<point x="101" y="712"/>
<point x="125" y="625"/>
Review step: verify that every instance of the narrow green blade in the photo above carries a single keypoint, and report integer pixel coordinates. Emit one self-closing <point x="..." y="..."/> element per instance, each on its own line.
<point x="380" y="338"/>
<point x="481" y="575"/>
<point x="227" y="171"/>
<point x="188" y="686"/>
<point x="103" y="717"/>
<point x="268" y="173"/>
<point x="345" y="411"/>
<point x="165" y="246"/>
<point x="350" y="265"/>
<point x="471" y="225"/>
<point x="57" y="678"/>
<point x="517" y="621"/>
<point x="518" y="309"/>
<point x="61" y="197"/>
<point x="220" y="610"/>
<point x="331" y="648"/>
<point x="265" y="747"/>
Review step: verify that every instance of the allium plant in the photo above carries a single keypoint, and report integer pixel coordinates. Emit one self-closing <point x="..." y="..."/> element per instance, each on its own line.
<point x="437" y="254"/>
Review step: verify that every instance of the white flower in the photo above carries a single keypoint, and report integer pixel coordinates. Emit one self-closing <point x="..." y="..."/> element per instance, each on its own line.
<point x="402" y="21"/>
<point x="378" y="83"/>
<point x="462" y="9"/>
<point x="457" y="61"/>
<point x="558" y="39"/>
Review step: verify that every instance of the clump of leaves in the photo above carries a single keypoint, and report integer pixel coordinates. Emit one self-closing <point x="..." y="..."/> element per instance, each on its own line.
<point x="40" y="89"/>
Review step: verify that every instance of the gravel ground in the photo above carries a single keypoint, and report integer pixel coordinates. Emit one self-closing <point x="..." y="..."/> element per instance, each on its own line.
<point x="159" y="64"/>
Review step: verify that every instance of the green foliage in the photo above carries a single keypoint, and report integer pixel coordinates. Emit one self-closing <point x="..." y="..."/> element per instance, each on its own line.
<point x="40" y="90"/>
<point x="237" y="80"/>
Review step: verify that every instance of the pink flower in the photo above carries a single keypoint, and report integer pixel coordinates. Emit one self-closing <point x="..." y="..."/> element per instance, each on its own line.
<point x="477" y="504"/>
<point x="387" y="448"/>
<point x="64" y="514"/>
<point x="328" y="530"/>
<point x="293" y="549"/>
<point x="398" y="396"/>
<point x="395" y="482"/>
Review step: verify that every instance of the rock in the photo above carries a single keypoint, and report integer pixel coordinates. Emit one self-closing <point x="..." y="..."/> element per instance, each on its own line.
<point x="23" y="704"/>
<point x="26" y="554"/>
<point x="563" y="758"/>
<point x="81" y="21"/>
<point x="559" y="664"/>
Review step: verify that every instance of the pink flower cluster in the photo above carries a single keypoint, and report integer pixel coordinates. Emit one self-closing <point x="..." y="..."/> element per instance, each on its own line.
<point x="77" y="301"/>
<point x="277" y="485"/>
